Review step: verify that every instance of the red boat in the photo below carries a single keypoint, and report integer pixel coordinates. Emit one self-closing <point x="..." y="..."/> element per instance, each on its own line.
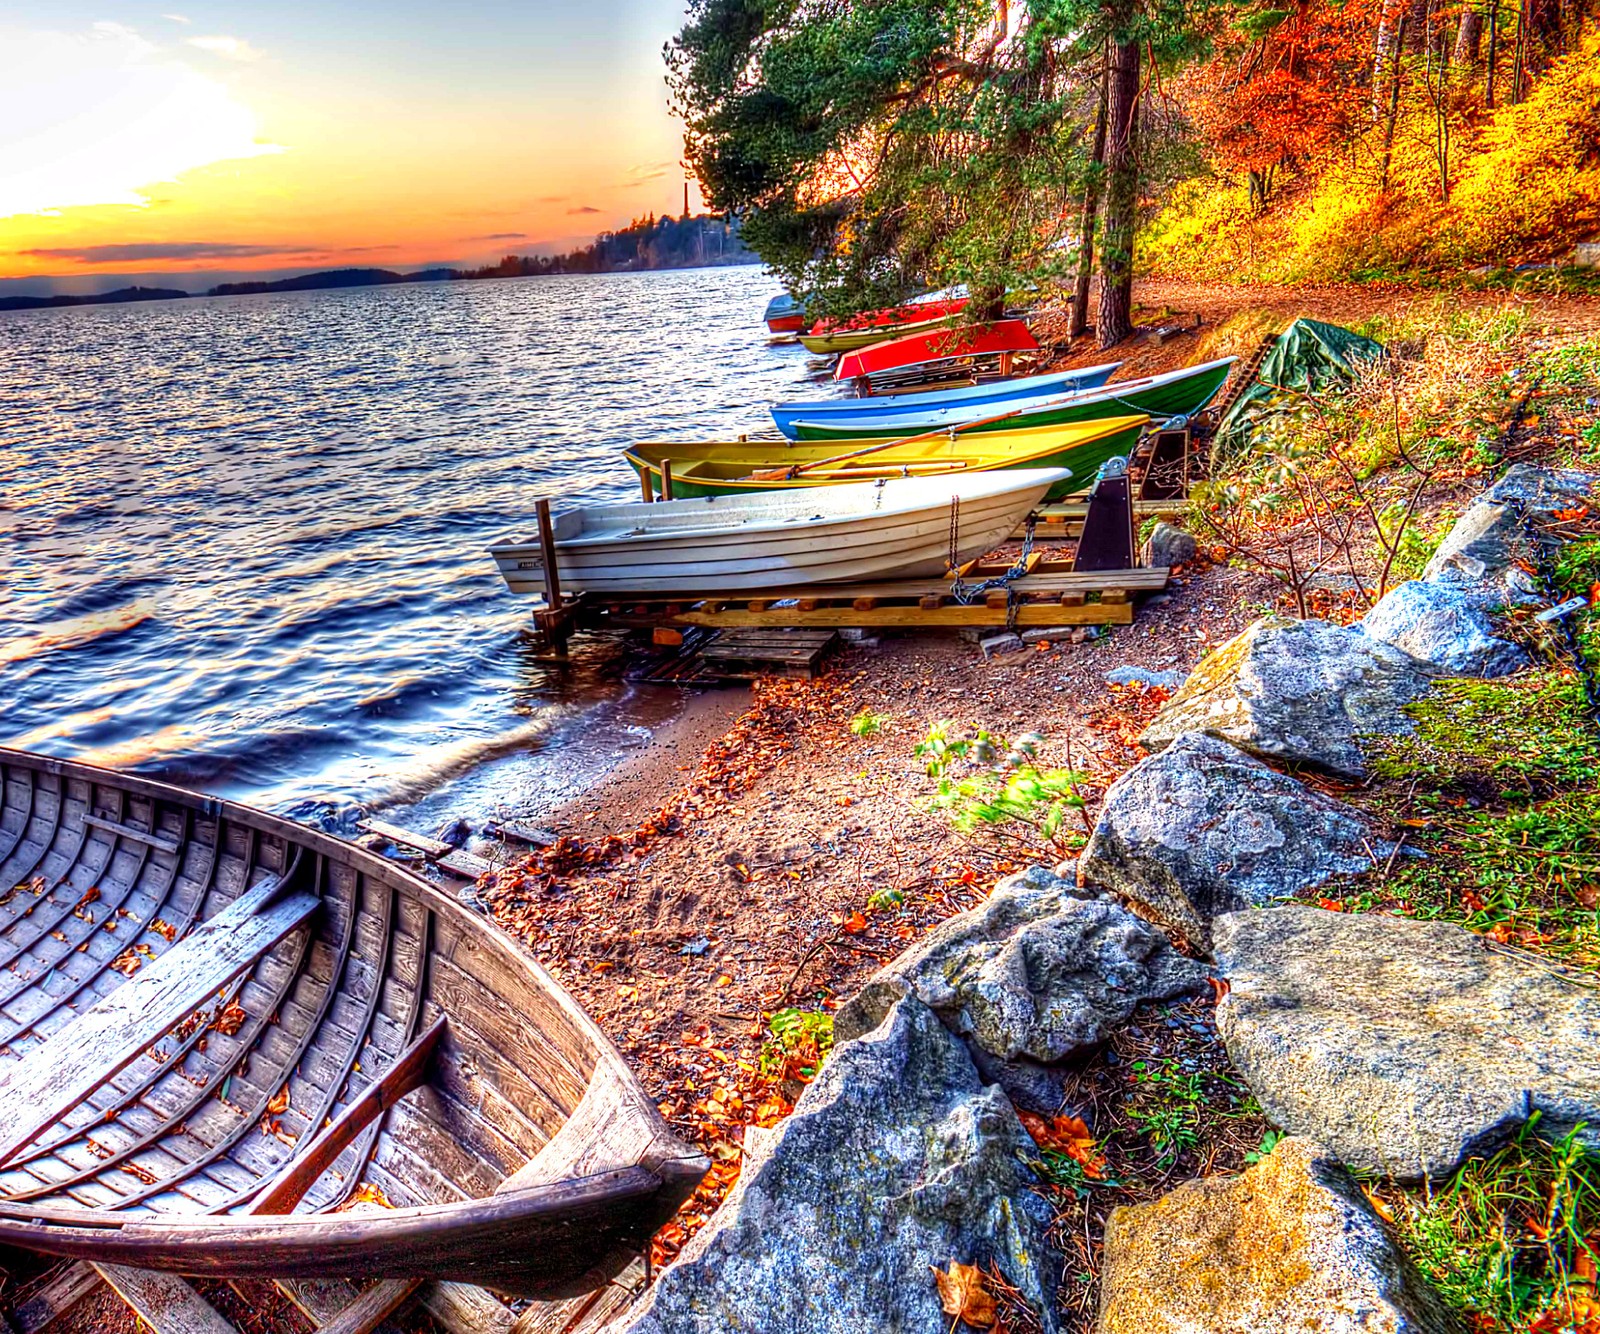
<point x="915" y="312"/>
<point x="927" y="350"/>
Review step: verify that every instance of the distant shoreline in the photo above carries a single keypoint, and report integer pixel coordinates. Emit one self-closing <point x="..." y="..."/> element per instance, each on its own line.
<point x="646" y="245"/>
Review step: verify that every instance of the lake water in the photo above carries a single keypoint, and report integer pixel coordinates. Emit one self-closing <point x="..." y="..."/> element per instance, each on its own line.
<point x="242" y="540"/>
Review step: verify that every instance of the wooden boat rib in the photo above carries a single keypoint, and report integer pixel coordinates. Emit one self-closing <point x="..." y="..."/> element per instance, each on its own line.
<point x="889" y="529"/>
<point x="1010" y="393"/>
<point x="931" y="347"/>
<point x="1174" y="393"/>
<point x="222" y="1028"/>
<point x="703" y="468"/>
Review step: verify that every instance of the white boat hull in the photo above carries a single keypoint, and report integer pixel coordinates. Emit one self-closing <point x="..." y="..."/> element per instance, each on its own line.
<point x="814" y="536"/>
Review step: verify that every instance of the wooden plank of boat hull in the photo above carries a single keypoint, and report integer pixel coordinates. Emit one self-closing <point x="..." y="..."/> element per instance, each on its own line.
<point x="35" y="1093"/>
<point x="165" y="1302"/>
<point x="164" y="842"/>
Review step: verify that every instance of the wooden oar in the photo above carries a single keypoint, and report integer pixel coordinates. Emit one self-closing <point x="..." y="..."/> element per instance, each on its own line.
<point x="794" y="470"/>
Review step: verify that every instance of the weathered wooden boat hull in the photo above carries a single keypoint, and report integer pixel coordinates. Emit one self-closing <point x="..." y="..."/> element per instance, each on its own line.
<point x="1176" y="394"/>
<point x="900" y="529"/>
<point x="851" y="337"/>
<point x="1009" y="393"/>
<point x="390" y="1087"/>
<point x="726" y="468"/>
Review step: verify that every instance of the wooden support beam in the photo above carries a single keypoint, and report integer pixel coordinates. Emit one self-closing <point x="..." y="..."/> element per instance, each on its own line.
<point x="162" y="841"/>
<point x="68" y="1285"/>
<point x="808" y="604"/>
<point x="547" y="551"/>
<point x="666" y="480"/>
<point x="997" y="599"/>
<point x="372" y="1307"/>
<point x="1111" y="597"/>
<point x="39" y="1089"/>
<point x="645" y="492"/>
<point x="757" y="604"/>
<point x="864" y="604"/>
<point x="913" y="616"/>
<point x="429" y="847"/>
<point x="410" y="1070"/>
<point x="164" y="1301"/>
<point x="1073" y="599"/>
<point x="930" y="602"/>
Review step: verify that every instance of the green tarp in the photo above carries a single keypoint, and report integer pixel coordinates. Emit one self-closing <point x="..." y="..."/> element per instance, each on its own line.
<point x="1309" y="356"/>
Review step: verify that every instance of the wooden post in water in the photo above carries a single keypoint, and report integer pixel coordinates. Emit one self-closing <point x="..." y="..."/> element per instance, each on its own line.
<point x="666" y="479"/>
<point x="645" y="491"/>
<point x="557" y="621"/>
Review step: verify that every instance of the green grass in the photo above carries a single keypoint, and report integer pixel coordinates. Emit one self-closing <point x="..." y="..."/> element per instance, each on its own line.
<point x="1509" y="1238"/>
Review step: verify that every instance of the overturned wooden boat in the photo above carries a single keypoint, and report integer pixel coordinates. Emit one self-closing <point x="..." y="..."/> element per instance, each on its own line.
<point x="733" y="467"/>
<point x="784" y="315"/>
<point x="236" y="1046"/>
<point x="810" y="535"/>
<point x="982" y="398"/>
<point x="1179" y="393"/>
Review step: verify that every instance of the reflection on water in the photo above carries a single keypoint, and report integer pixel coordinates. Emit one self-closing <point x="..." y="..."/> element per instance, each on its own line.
<point x="242" y="540"/>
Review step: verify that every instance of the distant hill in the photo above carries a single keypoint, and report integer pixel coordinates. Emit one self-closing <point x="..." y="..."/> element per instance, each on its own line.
<point x="99" y="299"/>
<point x="310" y="282"/>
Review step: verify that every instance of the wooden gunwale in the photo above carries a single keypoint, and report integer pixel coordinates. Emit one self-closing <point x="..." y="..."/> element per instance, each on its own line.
<point x="352" y="984"/>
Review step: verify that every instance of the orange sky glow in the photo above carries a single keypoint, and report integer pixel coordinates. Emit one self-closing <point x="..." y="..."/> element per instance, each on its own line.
<point x="249" y="138"/>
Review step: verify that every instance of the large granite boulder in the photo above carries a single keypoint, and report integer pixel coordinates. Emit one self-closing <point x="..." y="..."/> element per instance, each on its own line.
<point x="1202" y="829"/>
<point x="1300" y="691"/>
<point x="1403" y="1046"/>
<point x="1036" y="972"/>
<point x="1289" y="1245"/>
<point x="896" y="1159"/>
<point x="1489" y="546"/>
<point x="1448" y="627"/>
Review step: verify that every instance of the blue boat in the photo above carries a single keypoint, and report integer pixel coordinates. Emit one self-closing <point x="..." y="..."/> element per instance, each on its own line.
<point x="1008" y="393"/>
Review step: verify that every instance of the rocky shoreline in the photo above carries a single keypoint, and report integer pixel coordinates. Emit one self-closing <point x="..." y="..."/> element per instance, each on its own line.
<point x="1380" y="1046"/>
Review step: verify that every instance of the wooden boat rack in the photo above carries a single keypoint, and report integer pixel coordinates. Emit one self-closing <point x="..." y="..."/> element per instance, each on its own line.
<point x="1051" y="593"/>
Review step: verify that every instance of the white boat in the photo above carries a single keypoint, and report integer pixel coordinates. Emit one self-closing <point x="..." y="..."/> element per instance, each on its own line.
<point x="747" y="543"/>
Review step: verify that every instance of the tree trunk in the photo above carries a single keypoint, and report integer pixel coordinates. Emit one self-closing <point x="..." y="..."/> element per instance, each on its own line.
<point x="1383" y="47"/>
<point x="1469" y="37"/>
<point x="1394" y="106"/>
<point x="1079" y="323"/>
<point x="1494" y="52"/>
<point x="1115" y="321"/>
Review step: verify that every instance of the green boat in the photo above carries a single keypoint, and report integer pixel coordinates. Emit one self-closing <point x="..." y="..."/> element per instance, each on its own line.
<point x="1180" y="393"/>
<point x="733" y="467"/>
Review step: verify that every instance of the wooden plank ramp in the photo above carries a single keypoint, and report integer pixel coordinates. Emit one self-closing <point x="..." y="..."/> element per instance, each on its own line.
<point x="456" y="861"/>
<point x="742" y="655"/>
<point x="165" y="1302"/>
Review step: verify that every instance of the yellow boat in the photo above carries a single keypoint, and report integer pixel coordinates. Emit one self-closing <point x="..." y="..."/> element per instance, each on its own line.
<point x="848" y="339"/>
<point x="729" y="467"/>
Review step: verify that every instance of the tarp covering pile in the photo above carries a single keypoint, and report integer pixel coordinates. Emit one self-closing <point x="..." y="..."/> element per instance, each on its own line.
<point x="1308" y="357"/>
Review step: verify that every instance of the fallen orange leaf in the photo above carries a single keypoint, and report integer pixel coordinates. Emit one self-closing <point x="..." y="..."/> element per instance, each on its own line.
<point x="855" y="924"/>
<point x="962" y="1294"/>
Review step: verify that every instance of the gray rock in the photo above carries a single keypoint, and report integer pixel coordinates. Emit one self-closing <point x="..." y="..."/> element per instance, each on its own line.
<point x="1169" y="546"/>
<point x="1489" y="543"/>
<point x="1035" y="973"/>
<point x="1290" y="1244"/>
<point x="1301" y="691"/>
<point x="1003" y="642"/>
<point x="1145" y="676"/>
<point x="1445" y="626"/>
<point x="1203" y="829"/>
<point x="1403" y="1046"/>
<point x="896" y="1159"/>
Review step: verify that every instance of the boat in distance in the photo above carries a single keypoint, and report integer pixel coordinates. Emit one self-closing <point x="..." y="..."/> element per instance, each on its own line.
<point x="733" y="467"/>
<point x="937" y="346"/>
<point x="784" y="315"/>
<point x="1009" y="393"/>
<point x="1180" y="393"/>
<point x="236" y="1046"/>
<point x="808" y="536"/>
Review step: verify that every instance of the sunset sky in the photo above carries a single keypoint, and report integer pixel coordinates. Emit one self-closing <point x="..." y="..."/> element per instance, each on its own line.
<point x="295" y="135"/>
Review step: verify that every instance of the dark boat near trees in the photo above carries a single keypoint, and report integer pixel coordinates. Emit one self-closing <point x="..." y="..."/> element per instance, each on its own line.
<point x="231" y="1045"/>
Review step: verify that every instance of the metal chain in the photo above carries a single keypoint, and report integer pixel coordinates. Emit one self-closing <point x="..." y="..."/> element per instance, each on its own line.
<point x="965" y="593"/>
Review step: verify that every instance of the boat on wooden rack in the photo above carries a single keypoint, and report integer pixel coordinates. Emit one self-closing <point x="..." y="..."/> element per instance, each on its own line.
<point x="828" y="337"/>
<point x="1009" y="393"/>
<point x="236" y="1046"/>
<point x="890" y="529"/>
<point x="732" y="467"/>
<point x="1180" y="393"/>
<point x="939" y="349"/>
<point x="784" y="315"/>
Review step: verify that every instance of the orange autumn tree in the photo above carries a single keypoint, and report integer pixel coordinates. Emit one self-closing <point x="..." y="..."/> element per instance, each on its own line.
<point x="1282" y="88"/>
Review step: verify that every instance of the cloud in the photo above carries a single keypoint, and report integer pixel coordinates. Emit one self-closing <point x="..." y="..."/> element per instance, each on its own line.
<point x="583" y="208"/>
<point x="122" y="254"/>
<point x="553" y="199"/>
<point x="99" y="117"/>
<point x="498" y="236"/>
<point x="229" y="48"/>
<point x="649" y="171"/>
<point x="178" y="18"/>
